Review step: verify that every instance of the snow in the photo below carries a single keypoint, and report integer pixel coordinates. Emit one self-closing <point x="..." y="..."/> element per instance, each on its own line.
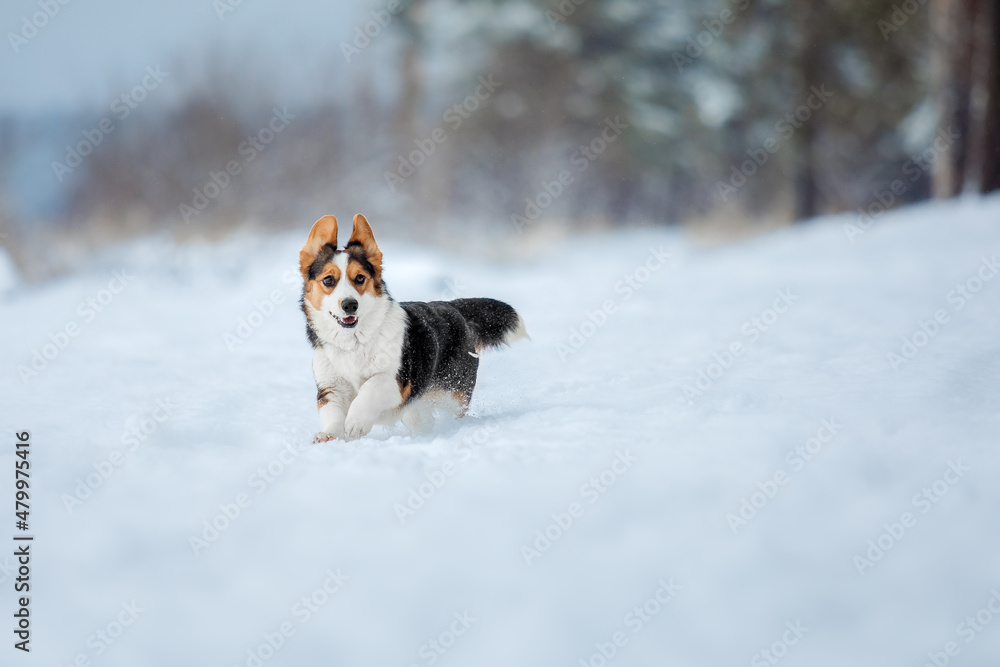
<point x="676" y="464"/>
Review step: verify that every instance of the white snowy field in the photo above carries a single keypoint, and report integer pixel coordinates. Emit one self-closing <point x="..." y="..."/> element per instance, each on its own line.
<point x="808" y="497"/>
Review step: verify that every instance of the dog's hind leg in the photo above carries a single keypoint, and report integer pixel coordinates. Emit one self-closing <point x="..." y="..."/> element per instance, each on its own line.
<point x="460" y="403"/>
<point x="418" y="416"/>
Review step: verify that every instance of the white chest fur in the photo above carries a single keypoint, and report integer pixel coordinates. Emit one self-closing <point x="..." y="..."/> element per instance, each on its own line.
<point x="374" y="347"/>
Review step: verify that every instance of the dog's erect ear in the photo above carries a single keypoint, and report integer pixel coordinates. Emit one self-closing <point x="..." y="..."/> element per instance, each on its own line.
<point x="323" y="231"/>
<point x="362" y="234"/>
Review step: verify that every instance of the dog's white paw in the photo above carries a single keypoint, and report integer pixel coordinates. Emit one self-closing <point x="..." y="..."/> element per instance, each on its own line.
<point x="357" y="427"/>
<point x="324" y="436"/>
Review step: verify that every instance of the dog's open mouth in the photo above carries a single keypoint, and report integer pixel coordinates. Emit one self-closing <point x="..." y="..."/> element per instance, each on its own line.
<point x="348" y="322"/>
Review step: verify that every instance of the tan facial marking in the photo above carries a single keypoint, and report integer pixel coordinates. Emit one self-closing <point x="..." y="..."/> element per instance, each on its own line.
<point x="368" y="286"/>
<point x="316" y="290"/>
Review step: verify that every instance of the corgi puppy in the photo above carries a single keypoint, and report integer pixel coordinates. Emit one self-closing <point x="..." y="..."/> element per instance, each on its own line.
<point x="377" y="361"/>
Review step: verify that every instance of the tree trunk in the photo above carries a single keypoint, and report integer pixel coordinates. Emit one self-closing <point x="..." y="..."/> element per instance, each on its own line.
<point x="991" y="114"/>
<point x="411" y="77"/>
<point x="967" y="34"/>
<point x="806" y="186"/>
<point x="810" y="73"/>
<point x="948" y="173"/>
<point x="410" y="92"/>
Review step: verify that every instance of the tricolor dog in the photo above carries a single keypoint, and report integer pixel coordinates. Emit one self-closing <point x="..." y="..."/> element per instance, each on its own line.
<point x="376" y="360"/>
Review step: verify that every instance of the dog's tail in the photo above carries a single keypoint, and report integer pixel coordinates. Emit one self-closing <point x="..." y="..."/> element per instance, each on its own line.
<point x="493" y="323"/>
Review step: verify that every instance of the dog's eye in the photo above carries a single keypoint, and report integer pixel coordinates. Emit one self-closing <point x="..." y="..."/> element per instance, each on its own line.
<point x="359" y="279"/>
<point x="328" y="281"/>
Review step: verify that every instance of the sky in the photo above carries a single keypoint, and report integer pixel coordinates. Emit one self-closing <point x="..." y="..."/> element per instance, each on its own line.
<point x="91" y="51"/>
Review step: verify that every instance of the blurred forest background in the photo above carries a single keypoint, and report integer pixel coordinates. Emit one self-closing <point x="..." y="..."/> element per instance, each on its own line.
<point x="470" y="120"/>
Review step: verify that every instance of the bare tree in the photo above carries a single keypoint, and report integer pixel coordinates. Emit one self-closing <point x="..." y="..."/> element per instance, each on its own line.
<point x="967" y="68"/>
<point x="991" y="113"/>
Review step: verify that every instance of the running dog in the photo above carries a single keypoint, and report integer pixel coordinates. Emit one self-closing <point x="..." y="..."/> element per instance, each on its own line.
<point x="376" y="360"/>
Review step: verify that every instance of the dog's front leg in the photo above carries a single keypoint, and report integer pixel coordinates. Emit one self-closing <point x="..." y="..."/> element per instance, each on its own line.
<point x="379" y="394"/>
<point x="333" y="399"/>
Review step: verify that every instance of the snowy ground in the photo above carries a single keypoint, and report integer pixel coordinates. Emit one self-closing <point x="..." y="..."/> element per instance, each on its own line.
<point x="466" y="578"/>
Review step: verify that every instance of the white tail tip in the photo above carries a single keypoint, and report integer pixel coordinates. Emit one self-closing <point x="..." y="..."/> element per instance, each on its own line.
<point x="521" y="332"/>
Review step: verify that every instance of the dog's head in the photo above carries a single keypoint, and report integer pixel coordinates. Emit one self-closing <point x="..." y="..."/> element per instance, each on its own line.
<point x="343" y="288"/>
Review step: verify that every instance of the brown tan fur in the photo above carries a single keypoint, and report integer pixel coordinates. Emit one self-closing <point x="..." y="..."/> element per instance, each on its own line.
<point x="362" y="234"/>
<point x="316" y="290"/>
<point x="371" y="285"/>
<point x="323" y="231"/>
<point x="323" y="396"/>
<point x="463" y="400"/>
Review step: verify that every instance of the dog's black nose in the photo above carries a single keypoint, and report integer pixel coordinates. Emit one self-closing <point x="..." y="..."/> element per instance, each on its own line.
<point x="350" y="306"/>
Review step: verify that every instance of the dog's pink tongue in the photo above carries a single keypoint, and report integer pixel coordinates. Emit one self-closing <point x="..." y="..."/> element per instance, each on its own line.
<point x="349" y="320"/>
